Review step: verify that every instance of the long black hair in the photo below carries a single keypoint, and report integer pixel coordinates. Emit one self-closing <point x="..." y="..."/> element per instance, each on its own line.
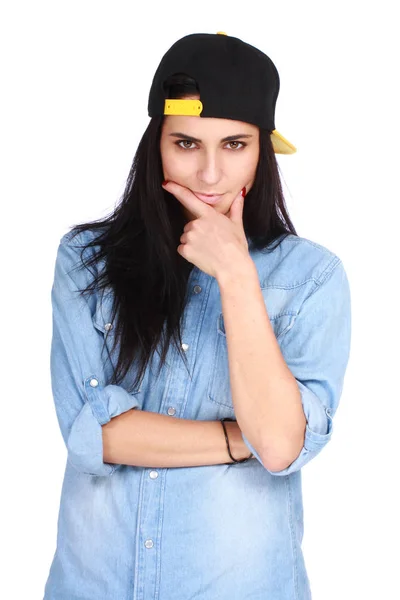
<point x="138" y="243"/>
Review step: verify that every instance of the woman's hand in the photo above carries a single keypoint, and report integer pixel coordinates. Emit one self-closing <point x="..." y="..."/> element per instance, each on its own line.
<point x="213" y="242"/>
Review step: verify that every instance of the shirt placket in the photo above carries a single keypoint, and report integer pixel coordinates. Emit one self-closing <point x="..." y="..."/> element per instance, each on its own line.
<point x="153" y="481"/>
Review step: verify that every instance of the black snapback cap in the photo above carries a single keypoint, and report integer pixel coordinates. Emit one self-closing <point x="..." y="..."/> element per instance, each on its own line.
<point x="236" y="81"/>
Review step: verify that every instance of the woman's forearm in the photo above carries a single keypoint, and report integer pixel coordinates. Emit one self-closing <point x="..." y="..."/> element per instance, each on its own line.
<point x="147" y="439"/>
<point x="265" y="393"/>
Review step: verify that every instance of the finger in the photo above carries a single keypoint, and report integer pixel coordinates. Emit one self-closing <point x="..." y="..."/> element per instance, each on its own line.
<point x="187" y="198"/>
<point x="236" y="209"/>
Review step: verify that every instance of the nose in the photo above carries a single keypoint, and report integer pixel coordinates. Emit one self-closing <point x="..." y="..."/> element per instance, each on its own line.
<point x="209" y="168"/>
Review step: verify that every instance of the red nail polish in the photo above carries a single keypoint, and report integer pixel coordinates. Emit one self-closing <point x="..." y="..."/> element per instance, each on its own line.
<point x="243" y="192"/>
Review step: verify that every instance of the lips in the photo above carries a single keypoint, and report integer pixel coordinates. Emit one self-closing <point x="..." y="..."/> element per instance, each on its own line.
<point x="208" y="198"/>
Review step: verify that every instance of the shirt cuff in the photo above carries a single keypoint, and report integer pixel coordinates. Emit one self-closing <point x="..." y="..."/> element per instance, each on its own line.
<point x="85" y="441"/>
<point x="317" y="435"/>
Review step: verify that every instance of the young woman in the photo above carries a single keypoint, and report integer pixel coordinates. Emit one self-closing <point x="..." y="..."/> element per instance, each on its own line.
<point x="198" y="355"/>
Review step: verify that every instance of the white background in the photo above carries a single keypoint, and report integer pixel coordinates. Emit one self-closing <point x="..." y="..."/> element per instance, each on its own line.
<point x="75" y="78"/>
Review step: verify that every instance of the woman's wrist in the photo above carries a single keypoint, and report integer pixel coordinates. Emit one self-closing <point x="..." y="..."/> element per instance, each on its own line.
<point x="239" y="450"/>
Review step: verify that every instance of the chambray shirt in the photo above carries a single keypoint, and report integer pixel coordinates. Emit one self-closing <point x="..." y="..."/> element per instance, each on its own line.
<point x="219" y="532"/>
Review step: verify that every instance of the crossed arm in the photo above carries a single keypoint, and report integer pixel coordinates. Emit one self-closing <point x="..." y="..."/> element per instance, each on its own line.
<point x="147" y="439"/>
<point x="265" y="395"/>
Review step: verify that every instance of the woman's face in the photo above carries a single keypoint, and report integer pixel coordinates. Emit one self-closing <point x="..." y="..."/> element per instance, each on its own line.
<point x="196" y="154"/>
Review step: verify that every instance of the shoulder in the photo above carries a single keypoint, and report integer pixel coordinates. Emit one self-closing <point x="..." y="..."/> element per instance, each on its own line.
<point x="78" y="239"/>
<point x="295" y="261"/>
<point x="75" y="255"/>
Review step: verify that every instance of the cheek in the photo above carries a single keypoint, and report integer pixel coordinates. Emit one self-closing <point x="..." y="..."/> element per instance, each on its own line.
<point x="251" y="171"/>
<point x="245" y="168"/>
<point x="244" y="173"/>
<point x="174" y="165"/>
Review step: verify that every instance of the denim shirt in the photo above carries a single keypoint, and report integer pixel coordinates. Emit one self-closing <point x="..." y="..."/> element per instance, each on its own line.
<point x="218" y="532"/>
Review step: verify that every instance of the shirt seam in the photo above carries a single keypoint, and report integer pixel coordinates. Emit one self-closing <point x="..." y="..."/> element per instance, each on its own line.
<point x="292" y="537"/>
<point x="317" y="280"/>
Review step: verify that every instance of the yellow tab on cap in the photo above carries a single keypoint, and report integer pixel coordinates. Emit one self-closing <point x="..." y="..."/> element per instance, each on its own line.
<point x="182" y="107"/>
<point x="221" y="33"/>
<point x="280" y="144"/>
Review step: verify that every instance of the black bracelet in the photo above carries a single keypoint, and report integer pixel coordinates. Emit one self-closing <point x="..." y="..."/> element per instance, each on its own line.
<point x="227" y="444"/>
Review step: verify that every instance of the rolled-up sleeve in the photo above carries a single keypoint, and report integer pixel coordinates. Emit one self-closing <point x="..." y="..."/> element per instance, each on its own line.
<point x="83" y="399"/>
<point x="316" y="350"/>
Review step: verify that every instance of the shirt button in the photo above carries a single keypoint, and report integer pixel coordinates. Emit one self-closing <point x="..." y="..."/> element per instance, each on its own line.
<point x="171" y="410"/>
<point x="153" y="474"/>
<point x="108" y="326"/>
<point x="197" y="289"/>
<point x="93" y="382"/>
<point x="185" y="347"/>
<point x="149" y="543"/>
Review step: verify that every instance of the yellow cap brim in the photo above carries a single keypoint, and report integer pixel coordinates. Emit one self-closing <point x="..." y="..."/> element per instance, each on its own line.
<point x="280" y="144"/>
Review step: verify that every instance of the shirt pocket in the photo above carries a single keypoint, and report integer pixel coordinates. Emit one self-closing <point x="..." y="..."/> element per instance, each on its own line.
<point x="219" y="390"/>
<point x="103" y="323"/>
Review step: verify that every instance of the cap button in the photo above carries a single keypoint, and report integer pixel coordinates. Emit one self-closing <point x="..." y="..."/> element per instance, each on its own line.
<point x="221" y="33"/>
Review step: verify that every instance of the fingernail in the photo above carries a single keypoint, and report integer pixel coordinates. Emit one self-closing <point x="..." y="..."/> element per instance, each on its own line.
<point x="243" y="192"/>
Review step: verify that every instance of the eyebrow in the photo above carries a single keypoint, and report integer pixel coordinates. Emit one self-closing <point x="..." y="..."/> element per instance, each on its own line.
<point x="229" y="138"/>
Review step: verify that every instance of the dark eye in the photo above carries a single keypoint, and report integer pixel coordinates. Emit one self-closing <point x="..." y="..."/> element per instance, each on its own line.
<point x="185" y="142"/>
<point x="236" y="142"/>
